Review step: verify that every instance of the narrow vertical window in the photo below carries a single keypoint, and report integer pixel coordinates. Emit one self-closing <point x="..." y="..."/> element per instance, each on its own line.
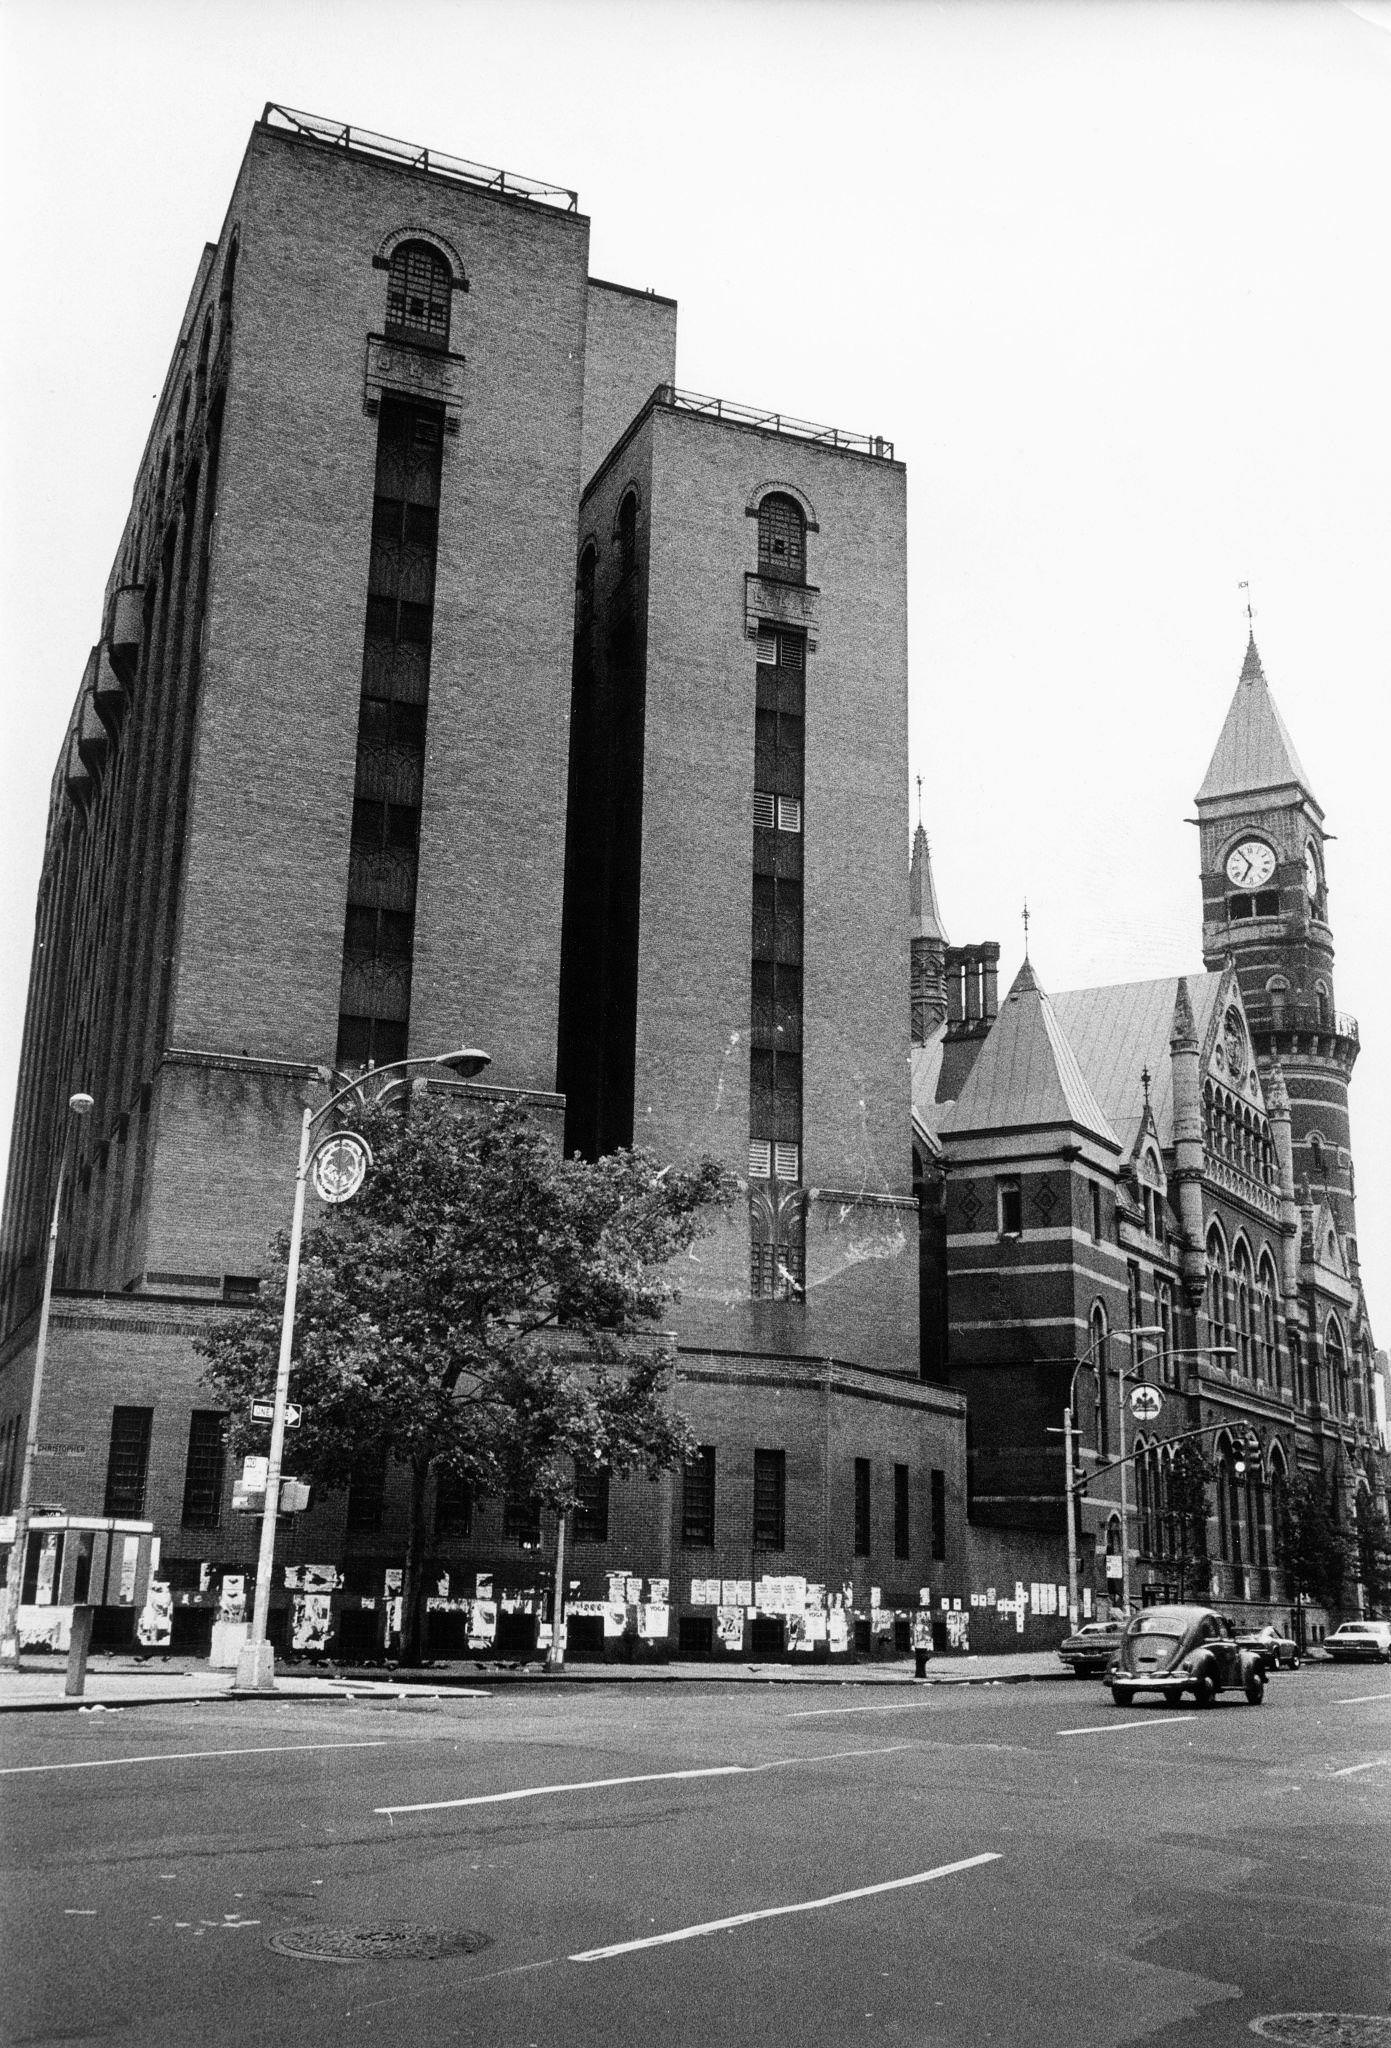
<point x="591" y="1523"/>
<point x="128" y="1461"/>
<point x="204" y="1470"/>
<point x="367" y="1493"/>
<point x="1011" y="1206"/>
<point x="698" y="1497"/>
<point x="521" y="1520"/>
<point x="1096" y="1210"/>
<point x="901" y="1528"/>
<point x="769" y="1499"/>
<point x="453" y="1504"/>
<point x="862" y="1524"/>
<point x="939" y="1516"/>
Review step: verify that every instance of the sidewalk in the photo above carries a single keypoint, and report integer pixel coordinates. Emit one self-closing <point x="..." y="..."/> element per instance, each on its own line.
<point x="118" y="1682"/>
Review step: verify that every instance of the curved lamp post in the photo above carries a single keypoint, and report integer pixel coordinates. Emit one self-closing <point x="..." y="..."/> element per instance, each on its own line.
<point x="342" y="1176"/>
<point x="1088" y="1359"/>
<point x="78" y="1107"/>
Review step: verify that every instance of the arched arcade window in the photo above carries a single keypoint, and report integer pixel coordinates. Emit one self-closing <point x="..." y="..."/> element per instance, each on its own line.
<point x="782" y="538"/>
<point x="418" y="288"/>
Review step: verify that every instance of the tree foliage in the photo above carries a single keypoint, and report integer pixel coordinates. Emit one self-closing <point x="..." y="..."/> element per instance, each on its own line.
<point x="481" y="1307"/>
<point x="1190" y="1475"/>
<point x="1310" y="1542"/>
<point x="1370" y="1550"/>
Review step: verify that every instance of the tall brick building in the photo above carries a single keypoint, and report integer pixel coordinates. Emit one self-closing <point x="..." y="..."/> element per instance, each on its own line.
<point x="323" y="801"/>
<point x="1168" y="1157"/>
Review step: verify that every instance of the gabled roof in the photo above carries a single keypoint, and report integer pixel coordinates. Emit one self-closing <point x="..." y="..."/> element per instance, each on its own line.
<point x="925" y="919"/>
<point x="1254" y="752"/>
<point x="1026" y="1076"/>
<point x="1117" y="1032"/>
<point x="925" y="1066"/>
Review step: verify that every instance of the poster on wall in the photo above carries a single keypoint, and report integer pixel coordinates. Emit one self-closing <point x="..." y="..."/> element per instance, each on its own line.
<point x="729" y="1628"/>
<point x="653" y="1622"/>
<point x="231" y="1600"/>
<point x="482" y="1625"/>
<point x="959" y="1629"/>
<point x="311" y="1621"/>
<point x="312" y="1578"/>
<point x="615" y="1619"/>
<point x="155" y="1625"/>
<point x="837" y="1630"/>
<point x="736" y="1592"/>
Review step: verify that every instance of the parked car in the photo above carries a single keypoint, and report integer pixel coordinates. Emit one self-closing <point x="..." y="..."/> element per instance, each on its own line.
<point x="1090" y="1651"/>
<point x="1177" y="1650"/>
<point x="1273" y="1649"/>
<point x="1359" y="1639"/>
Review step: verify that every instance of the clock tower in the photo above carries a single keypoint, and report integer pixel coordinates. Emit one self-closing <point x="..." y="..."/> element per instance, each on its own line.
<point x="1265" y="906"/>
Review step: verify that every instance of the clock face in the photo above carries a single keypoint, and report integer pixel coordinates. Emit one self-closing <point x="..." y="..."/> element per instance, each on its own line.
<point x="1250" y="865"/>
<point x="1311" y="870"/>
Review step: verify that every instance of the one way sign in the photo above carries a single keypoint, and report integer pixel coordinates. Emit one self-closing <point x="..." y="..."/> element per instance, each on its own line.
<point x="264" y="1411"/>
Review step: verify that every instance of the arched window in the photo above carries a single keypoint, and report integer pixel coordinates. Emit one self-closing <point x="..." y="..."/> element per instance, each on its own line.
<point x="1257" y="1550"/>
<point x="1101" y="1366"/>
<point x="418" y="287"/>
<point x="1164" y="1315"/>
<point x="1265" y="1294"/>
<point x="229" y="281"/>
<point x="1336" y="1352"/>
<point x="1218" y="1327"/>
<point x="200" y="375"/>
<point x="1316" y="1158"/>
<point x="1279" y="1504"/>
<point x="1242" y="1265"/>
<point x="628" y="534"/>
<point x="782" y="538"/>
<point x="1209" y="1128"/>
<point x="1228" y="1506"/>
<point x="1321" y="999"/>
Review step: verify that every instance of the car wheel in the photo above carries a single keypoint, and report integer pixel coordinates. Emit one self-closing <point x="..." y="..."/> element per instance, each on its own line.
<point x="1254" y="1685"/>
<point x="1204" y="1691"/>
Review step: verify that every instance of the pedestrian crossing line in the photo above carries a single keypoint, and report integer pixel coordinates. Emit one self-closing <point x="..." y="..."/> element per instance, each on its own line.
<point x="1350" y="1770"/>
<point x="1363" y="1699"/>
<point x="866" y="1891"/>
<point x="780" y="1763"/>
<point x="1114" y="1727"/>
<point x="176" y="1756"/>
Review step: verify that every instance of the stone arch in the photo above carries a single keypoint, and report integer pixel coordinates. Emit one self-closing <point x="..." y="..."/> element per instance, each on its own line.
<point x="433" y="239"/>
<point x="778" y="486"/>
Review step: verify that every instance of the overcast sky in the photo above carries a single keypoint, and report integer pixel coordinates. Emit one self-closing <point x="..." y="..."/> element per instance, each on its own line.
<point x="1115" y="278"/>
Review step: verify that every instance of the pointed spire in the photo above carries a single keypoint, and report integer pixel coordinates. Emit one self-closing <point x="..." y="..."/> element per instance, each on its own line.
<point x="924" y="917"/>
<point x="1184" y="1034"/>
<point x="1026" y="1075"/>
<point x="1254" y="751"/>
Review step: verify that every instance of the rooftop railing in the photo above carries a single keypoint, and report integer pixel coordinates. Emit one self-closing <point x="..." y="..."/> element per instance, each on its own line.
<point x="339" y="135"/>
<point x="774" y="422"/>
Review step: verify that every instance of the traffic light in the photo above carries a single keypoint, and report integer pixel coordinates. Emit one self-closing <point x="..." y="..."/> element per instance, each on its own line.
<point x="1247" y="1446"/>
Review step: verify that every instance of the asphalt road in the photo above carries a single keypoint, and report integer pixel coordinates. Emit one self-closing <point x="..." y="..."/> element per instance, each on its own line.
<point x="1019" y="1864"/>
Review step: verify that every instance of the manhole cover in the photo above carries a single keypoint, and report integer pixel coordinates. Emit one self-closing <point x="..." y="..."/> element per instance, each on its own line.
<point x="1325" y="2029"/>
<point x="377" y="1944"/>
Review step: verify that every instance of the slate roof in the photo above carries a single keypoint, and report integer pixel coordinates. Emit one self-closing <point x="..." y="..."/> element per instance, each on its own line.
<point x="1026" y="1075"/>
<point x="1254" y="751"/>
<point x="1116" y="1032"/>
<point x="926" y="1067"/>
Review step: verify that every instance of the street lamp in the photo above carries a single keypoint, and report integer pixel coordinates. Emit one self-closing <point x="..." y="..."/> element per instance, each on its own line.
<point x="1126" y="1371"/>
<point x="78" y="1107"/>
<point x="256" y="1662"/>
<point x="1087" y="1359"/>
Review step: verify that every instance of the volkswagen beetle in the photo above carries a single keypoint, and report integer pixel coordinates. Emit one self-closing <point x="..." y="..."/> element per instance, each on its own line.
<point x="1177" y="1650"/>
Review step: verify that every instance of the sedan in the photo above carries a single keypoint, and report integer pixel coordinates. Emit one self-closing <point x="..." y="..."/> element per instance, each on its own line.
<point x="1360" y="1639"/>
<point x="1274" y="1650"/>
<point x="1090" y="1651"/>
<point x="1177" y="1650"/>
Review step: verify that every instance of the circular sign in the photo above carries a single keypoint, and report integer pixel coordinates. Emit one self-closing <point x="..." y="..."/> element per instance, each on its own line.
<point x="339" y="1167"/>
<point x="1145" y="1403"/>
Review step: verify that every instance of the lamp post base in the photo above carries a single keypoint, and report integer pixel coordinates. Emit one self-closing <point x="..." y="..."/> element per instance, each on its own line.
<point x="255" y="1669"/>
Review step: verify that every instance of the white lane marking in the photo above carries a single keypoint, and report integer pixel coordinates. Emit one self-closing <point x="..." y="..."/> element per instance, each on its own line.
<point x="1350" y="1770"/>
<point x="867" y="1891"/>
<point x="175" y="1756"/>
<point x="1363" y="1699"/>
<point x="1106" y="1727"/>
<point x="780" y="1763"/>
<point x="817" y="1713"/>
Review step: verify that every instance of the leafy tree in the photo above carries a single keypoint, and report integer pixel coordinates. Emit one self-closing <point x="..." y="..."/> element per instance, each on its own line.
<point x="1189" y="1477"/>
<point x="1370" y="1553"/>
<point x="1309" y="1541"/>
<point x="481" y="1307"/>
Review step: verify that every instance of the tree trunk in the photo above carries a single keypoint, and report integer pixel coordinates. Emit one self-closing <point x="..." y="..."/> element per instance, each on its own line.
<point x="413" y="1574"/>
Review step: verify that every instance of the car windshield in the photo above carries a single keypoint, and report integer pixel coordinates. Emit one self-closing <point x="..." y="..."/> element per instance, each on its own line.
<point x="1156" y="1625"/>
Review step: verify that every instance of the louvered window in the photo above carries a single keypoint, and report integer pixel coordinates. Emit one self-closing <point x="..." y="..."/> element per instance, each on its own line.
<point x="765" y="810"/>
<point x="789" y="814"/>
<point x="417" y="295"/>
<point x="760" y="1159"/>
<point x="768" y="648"/>
<point x="787" y="1163"/>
